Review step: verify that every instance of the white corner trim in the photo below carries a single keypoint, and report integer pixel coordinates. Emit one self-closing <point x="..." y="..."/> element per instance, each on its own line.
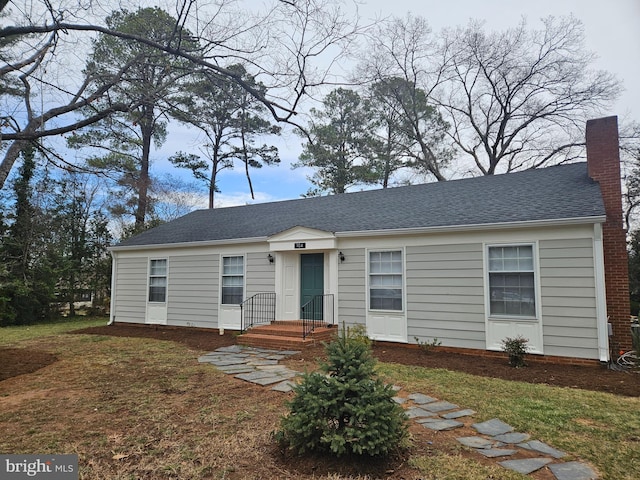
<point x="114" y="274"/>
<point x="601" y="294"/>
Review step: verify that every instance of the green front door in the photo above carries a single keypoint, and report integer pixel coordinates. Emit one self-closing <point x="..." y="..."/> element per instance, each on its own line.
<point x="312" y="280"/>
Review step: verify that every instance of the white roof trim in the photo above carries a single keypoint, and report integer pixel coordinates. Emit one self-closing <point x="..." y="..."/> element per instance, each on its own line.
<point x="479" y="226"/>
<point x="204" y="243"/>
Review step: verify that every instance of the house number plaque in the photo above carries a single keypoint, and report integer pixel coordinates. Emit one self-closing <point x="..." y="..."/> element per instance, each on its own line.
<point x="300" y="245"/>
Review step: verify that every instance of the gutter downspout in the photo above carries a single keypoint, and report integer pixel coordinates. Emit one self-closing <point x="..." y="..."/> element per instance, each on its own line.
<point x="114" y="271"/>
<point x="601" y="295"/>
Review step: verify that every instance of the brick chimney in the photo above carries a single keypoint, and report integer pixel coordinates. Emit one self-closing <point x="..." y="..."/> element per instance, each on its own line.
<point x="603" y="165"/>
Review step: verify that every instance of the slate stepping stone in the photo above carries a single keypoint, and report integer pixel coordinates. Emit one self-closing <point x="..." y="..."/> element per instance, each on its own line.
<point x="230" y="348"/>
<point x="525" y="466"/>
<point x="572" y="471"/>
<point x="396" y="388"/>
<point x="440" y="406"/>
<point x="235" y="369"/>
<point x="426" y="419"/>
<point x="513" y="437"/>
<point x="399" y="400"/>
<point x="458" y="414"/>
<point x="228" y="361"/>
<point x="262" y="362"/>
<point x="475" y="442"/>
<point x="421" y="398"/>
<point x="495" y="452"/>
<point x="253" y="376"/>
<point x="415" y="412"/>
<point x="285" y="387"/>
<point x="439" y="425"/>
<point x="543" y="448"/>
<point x="493" y="427"/>
<point x="264" y="381"/>
<point x="264" y="351"/>
<point x="273" y="368"/>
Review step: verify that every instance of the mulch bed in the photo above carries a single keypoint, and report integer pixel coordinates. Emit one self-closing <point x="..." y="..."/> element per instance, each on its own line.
<point x="15" y="361"/>
<point x="18" y="361"/>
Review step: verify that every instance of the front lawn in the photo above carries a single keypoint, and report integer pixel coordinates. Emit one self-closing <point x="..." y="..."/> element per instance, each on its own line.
<point x="144" y="408"/>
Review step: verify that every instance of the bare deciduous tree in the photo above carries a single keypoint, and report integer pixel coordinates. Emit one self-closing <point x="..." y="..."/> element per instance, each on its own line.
<point x="403" y="69"/>
<point x="519" y="98"/>
<point x="290" y="47"/>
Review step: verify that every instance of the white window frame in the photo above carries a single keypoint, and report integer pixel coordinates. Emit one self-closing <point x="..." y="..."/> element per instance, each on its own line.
<point x="151" y="276"/>
<point x="224" y="275"/>
<point x="402" y="280"/>
<point x="536" y="281"/>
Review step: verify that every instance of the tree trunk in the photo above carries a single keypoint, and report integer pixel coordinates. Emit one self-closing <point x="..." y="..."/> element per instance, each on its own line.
<point x="143" y="180"/>
<point x="9" y="159"/>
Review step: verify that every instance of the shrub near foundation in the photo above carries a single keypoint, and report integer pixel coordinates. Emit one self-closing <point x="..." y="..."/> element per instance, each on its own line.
<point x="517" y="349"/>
<point x="346" y="409"/>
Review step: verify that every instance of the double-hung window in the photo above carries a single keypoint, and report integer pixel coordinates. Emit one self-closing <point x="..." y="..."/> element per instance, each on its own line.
<point x="158" y="280"/>
<point x="385" y="280"/>
<point x="512" y="287"/>
<point x="232" y="280"/>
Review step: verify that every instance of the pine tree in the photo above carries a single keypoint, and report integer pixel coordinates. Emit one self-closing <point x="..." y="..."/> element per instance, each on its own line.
<point x="345" y="409"/>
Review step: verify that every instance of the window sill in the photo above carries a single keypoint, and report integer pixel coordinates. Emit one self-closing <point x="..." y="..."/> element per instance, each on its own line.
<point x="513" y="318"/>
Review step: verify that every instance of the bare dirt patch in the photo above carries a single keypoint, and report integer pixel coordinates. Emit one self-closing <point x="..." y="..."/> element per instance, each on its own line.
<point x="18" y="361"/>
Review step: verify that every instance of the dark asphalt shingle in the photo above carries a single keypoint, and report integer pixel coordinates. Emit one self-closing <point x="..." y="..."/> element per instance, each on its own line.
<point x="554" y="193"/>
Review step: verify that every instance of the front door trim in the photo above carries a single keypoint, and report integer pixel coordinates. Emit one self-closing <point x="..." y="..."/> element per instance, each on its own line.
<point x="312" y="267"/>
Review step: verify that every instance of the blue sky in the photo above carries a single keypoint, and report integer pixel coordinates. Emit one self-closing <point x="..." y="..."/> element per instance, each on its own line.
<point x="612" y="32"/>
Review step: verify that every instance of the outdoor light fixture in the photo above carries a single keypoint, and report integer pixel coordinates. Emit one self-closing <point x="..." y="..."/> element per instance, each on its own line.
<point x="270" y="258"/>
<point x="341" y="257"/>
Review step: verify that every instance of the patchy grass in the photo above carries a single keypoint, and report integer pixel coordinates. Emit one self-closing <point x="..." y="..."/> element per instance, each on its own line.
<point x="136" y="408"/>
<point x="11" y="335"/>
<point x="456" y="467"/>
<point x="600" y="428"/>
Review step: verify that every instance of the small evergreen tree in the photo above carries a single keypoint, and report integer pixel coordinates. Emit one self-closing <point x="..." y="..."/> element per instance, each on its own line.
<point x="345" y="409"/>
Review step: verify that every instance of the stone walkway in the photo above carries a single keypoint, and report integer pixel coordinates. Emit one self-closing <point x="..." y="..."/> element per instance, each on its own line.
<point x="493" y="439"/>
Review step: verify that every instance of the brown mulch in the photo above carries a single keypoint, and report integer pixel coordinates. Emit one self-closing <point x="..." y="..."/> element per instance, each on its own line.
<point x="15" y="361"/>
<point x="18" y="361"/>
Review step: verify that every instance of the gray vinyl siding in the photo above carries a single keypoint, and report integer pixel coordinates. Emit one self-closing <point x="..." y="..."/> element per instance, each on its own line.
<point x="131" y="289"/>
<point x="192" y="299"/>
<point x="445" y="294"/>
<point x="567" y="281"/>
<point x="352" y="288"/>
<point x="260" y="275"/>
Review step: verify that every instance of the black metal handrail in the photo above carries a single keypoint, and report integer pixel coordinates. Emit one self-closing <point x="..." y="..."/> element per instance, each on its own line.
<point x="258" y="309"/>
<point x="317" y="312"/>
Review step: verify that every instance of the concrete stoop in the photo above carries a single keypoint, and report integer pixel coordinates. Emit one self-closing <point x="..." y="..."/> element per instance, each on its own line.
<point x="285" y="335"/>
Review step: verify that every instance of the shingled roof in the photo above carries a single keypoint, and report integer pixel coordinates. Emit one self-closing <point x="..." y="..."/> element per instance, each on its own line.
<point x="549" y="194"/>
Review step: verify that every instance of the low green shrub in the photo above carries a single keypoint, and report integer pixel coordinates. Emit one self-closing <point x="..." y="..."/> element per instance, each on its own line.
<point x="345" y="408"/>
<point x="426" y="346"/>
<point x="516" y="348"/>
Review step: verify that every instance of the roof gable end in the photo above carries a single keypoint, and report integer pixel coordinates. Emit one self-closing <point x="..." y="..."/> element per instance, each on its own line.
<point x="302" y="238"/>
